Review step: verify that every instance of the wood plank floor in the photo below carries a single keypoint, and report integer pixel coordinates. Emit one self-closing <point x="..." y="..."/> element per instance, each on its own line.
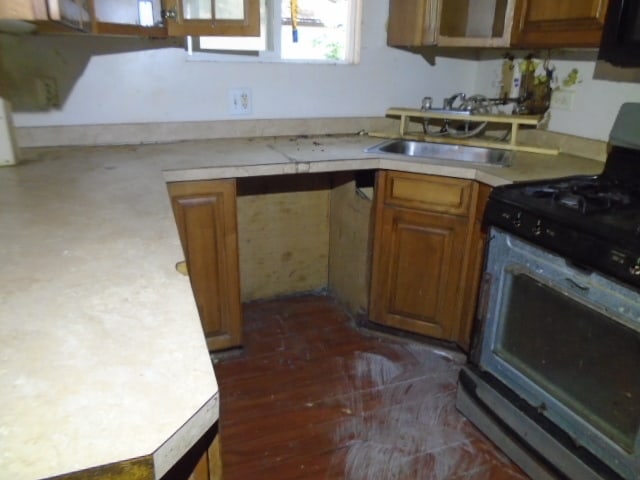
<point x="312" y="396"/>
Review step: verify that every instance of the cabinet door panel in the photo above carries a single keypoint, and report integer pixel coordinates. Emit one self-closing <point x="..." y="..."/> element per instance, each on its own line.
<point x="412" y="23"/>
<point x="429" y="192"/>
<point x="417" y="271"/>
<point x="205" y="214"/>
<point x="23" y="10"/>
<point x="416" y="268"/>
<point x="559" y="23"/>
<point x="197" y="17"/>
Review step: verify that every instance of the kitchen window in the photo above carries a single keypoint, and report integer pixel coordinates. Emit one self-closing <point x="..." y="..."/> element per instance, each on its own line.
<point x="318" y="31"/>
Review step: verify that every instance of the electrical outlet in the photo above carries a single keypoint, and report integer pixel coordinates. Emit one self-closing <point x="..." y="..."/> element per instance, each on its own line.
<point x="47" y="92"/>
<point x="562" y="99"/>
<point x="240" y="101"/>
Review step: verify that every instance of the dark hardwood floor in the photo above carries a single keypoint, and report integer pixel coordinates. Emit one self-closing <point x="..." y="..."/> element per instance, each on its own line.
<point x="312" y="396"/>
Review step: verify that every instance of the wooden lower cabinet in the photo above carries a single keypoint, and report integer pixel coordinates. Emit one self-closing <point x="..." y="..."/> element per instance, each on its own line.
<point x="209" y="466"/>
<point x="427" y="255"/>
<point x="205" y="213"/>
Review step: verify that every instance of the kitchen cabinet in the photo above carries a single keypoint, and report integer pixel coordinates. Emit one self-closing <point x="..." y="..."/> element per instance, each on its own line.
<point x="161" y="18"/>
<point x="496" y="23"/>
<point x="209" y="467"/>
<point x="213" y="17"/>
<point x="553" y="23"/>
<point x="425" y="255"/>
<point x="473" y="269"/>
<point x="453" y="23"/>
<point x="205" y="214"/>
<point x="24" y="10"/>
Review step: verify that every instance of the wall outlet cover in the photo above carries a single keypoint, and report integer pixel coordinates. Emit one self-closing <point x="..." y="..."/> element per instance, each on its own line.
<point x="240" y="101"/>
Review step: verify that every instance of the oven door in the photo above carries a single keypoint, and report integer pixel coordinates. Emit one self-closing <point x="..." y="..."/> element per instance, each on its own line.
<point x="568" y="342"/>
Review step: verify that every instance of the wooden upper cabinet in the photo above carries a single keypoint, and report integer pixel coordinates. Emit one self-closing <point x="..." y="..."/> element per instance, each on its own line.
<point x="455" y="23"/>
<point x="475" y="23"/>
<point x="150" y="18"/>
<point x="128" y="17"/>
<point x="412" y="23"/>
<point x="558" y="23"/>
<point x="23" y="10"/>
<point x="213" y="17"/>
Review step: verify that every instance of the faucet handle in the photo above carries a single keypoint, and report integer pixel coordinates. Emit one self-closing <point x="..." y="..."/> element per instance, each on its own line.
<point x="426" y="103"/>
<point x="447" y="104"/>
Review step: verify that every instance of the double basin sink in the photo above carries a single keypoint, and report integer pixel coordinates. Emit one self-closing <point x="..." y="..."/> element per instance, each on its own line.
<point x="442" y="151"/>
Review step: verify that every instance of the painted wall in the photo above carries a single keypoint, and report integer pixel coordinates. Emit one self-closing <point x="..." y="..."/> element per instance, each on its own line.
<point x="163" y="85"/>
<point x="596" y="102"/>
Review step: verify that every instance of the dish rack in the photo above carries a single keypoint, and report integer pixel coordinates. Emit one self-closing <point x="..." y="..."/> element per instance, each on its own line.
<point x="410" y="116"/>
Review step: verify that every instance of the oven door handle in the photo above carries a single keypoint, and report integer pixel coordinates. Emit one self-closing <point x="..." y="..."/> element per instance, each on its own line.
<point x="572" y="283"/>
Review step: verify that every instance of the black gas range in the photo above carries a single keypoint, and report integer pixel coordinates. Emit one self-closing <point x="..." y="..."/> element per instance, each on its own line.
<point x="552" y="377"/>
<point x="592" y="221"/>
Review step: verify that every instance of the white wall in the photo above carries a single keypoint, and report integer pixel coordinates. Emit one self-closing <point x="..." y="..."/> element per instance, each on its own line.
<point x="596" y="102"/>
<point x="163" y="86"/>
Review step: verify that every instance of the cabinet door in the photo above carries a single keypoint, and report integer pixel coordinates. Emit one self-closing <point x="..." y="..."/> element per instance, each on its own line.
<point x="418" y="259"/>
<point x="213" y="17"/>
<point x="23" y="10"/>
<point x="475" y="23"/>
<point x="74" y="13"/>
<point x="129" y="17"/>
<point x="210" y="465"/>
<point x="455" y="23"/>
<point x="412" y="23"/>
<point x="558" y="23"/>
<point x="205" y="214"/>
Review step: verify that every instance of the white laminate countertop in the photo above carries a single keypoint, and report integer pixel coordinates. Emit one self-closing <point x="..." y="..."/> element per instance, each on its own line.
<point x="102" y="357"/>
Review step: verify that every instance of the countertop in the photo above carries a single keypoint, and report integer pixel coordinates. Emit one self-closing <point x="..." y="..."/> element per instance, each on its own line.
<point x="102" y="356"/>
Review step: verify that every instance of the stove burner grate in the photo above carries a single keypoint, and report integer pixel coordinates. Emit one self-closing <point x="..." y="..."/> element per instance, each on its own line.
<point x="584" y="195"/>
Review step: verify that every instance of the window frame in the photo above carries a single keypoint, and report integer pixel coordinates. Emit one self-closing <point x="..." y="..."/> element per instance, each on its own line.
<point x="179" y="26"/>
<point x="273" y="50"/>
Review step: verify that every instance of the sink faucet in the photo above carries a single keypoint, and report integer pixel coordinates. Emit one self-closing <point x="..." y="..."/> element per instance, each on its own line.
<point x="447" y="104"/>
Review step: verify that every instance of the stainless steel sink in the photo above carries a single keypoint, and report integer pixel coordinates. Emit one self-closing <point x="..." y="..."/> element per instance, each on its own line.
<point x="443" y="151"/>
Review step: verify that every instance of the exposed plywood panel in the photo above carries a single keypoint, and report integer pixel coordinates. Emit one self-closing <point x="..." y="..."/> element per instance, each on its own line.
<point x="283" y="232"/>
<point x="350" y="249"/>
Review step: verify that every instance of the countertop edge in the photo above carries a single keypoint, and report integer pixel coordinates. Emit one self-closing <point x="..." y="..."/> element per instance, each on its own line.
<point x="168" y="454"/>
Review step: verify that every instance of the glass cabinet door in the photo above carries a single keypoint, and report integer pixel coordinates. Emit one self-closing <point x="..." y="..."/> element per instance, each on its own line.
<point x="213" y="17"/>
<point x="74" y="13"/>
<point x="129" y="17"/>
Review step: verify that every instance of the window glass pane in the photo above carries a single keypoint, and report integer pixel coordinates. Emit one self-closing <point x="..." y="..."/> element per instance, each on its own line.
<point x="229" y="9"/>
<point x="248" y="44"/>
<point x="197" y="9"/>
<point x="325" y="32"/>
<point x="321" y="28"/>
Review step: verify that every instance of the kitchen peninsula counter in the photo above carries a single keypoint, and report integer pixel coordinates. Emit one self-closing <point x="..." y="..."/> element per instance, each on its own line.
<point x="103" y="359"/>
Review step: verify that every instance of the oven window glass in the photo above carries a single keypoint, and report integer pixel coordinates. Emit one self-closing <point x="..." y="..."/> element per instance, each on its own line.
<point x="581" y="357"/>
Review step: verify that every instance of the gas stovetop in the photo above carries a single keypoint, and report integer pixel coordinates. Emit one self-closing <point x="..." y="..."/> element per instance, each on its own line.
<point x="584" y="195"/>
<point x="593" y="221"/>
